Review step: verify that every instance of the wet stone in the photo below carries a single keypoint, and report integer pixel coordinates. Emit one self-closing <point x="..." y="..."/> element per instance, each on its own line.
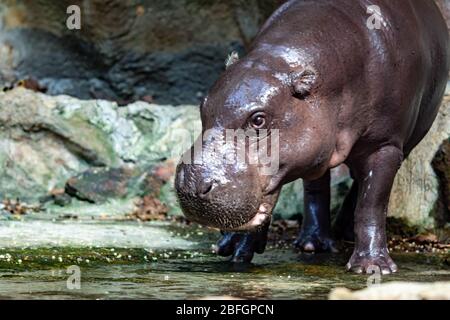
<point x="97" y="185"/>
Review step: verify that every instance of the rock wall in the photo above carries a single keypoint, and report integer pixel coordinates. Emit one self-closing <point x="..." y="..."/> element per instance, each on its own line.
<point x="91" y="150"/>
<point x="441" y="166"/>
<point x="167" y="51"/>
<point x="417" y="189"/>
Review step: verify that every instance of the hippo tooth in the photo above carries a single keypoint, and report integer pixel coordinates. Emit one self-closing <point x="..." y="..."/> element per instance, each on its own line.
<point x="258" y="220"/>
<point x="262" y="208"/>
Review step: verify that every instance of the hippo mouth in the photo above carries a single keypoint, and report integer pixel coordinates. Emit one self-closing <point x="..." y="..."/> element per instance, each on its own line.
<point x="262" y="217"/>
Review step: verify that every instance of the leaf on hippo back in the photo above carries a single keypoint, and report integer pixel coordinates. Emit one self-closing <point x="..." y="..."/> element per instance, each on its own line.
<point x="302" y="82"/>
<point x="232" y="58"/>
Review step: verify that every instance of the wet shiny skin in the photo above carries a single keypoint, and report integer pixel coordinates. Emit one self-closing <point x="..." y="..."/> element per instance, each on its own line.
<point x="339" y="93"/>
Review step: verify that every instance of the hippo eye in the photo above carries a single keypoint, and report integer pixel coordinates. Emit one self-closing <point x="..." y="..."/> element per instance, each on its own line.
<point x="258" y="120"/>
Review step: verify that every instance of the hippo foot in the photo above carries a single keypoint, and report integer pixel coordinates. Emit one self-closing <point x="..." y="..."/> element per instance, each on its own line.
<point x="315" y="243"/>
<point x="365" y="263"/>
<point x="242" y="246"/>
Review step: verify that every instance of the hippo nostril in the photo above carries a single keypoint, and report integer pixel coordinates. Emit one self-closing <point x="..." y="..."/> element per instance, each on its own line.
<point x="205" y="189"/>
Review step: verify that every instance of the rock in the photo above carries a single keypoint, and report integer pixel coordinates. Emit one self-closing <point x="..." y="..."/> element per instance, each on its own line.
<point x="45" y="141"/>
<point x="97" y="185"/>
<point x="126" y="51"/>
<point x="62" y="200"/>
<point x="416" y="187"/>
<point x="94" y="234"/>
<point x="41" y="146"/>
<point x="441" y="166"/>
<point x="396" y="291"/>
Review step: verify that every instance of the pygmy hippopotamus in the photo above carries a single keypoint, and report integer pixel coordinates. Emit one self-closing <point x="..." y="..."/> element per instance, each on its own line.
<point x="341" y="82"/>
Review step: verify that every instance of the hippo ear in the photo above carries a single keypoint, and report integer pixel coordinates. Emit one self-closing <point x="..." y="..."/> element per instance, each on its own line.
<point x="303" y="81"/>
<point x="231" y="59"/>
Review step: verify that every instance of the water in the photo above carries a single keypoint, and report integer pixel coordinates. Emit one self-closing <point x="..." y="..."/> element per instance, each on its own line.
<point x="174" y="262"/>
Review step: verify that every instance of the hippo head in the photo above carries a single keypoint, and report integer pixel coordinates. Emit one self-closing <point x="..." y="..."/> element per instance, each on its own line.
<point x="275" y="117"/>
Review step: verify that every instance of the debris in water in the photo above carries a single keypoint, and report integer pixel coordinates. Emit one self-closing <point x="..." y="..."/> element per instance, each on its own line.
<point x="17" y="207"/>
<point x="150" y="209"/>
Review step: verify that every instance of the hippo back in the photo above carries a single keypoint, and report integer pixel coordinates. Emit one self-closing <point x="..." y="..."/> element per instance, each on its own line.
<point x="384" y="82"/>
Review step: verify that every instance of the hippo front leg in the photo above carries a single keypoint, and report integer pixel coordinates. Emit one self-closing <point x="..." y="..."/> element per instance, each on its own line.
<point x="315" y="230"/>
<point x="375" y="176"/>
<point x="242" y="246"/>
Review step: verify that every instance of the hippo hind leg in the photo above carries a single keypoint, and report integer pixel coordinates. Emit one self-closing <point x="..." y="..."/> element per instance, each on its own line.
<point x="242" y="246"/>
<point x="343" y="226"/>
<point x="314" y="234"/>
